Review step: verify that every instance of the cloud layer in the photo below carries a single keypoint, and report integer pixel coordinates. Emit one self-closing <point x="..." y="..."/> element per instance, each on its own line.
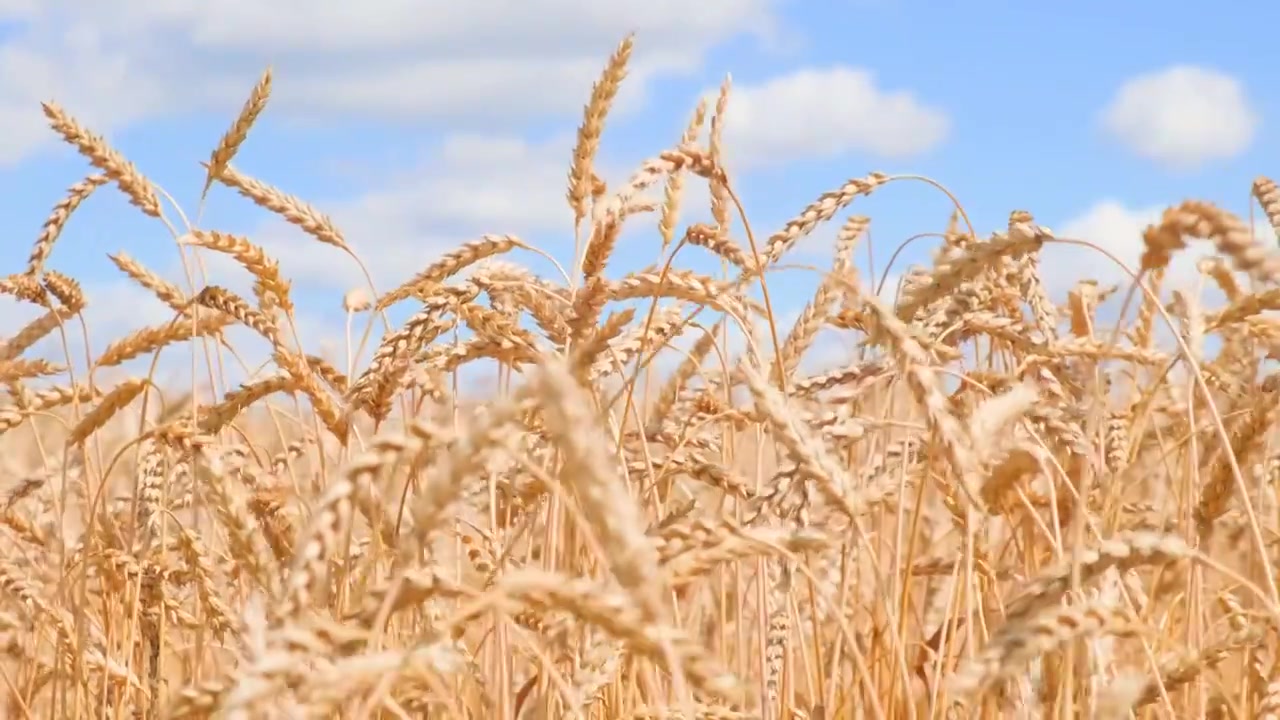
<point x="395" y="61"/>
<point x="1182" y="117"/>
<point x="818" y="113"/>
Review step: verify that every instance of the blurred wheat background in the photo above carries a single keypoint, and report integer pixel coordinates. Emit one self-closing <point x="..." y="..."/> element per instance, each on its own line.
<point x="530" y="485"/>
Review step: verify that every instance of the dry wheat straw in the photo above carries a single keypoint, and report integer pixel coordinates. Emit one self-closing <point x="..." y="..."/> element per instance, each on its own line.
<point x="996" y="504"/>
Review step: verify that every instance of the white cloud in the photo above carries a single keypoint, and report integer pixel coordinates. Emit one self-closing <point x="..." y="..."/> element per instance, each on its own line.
<point x="394" y="60"/>
<point x="1118" y="229"/>
<point x="824" y="112"/>
<point x="476" y="180"/>
<point x="1183" y="116"/>
<point x="469" y="186"/>
<point x="117" y="92"/>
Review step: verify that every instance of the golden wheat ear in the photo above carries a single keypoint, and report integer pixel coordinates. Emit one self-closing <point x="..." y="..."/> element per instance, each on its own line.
<point x="994" y="497"/>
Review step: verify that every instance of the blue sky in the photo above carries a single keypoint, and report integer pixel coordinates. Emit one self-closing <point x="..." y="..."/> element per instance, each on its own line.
<point x="419" y="125"/>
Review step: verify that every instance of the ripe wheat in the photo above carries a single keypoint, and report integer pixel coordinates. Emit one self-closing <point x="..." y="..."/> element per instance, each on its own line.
<point x="1081" y="523"/>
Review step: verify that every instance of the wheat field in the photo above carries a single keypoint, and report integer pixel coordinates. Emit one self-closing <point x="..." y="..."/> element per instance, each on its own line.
<point x="1000" y="504"/>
